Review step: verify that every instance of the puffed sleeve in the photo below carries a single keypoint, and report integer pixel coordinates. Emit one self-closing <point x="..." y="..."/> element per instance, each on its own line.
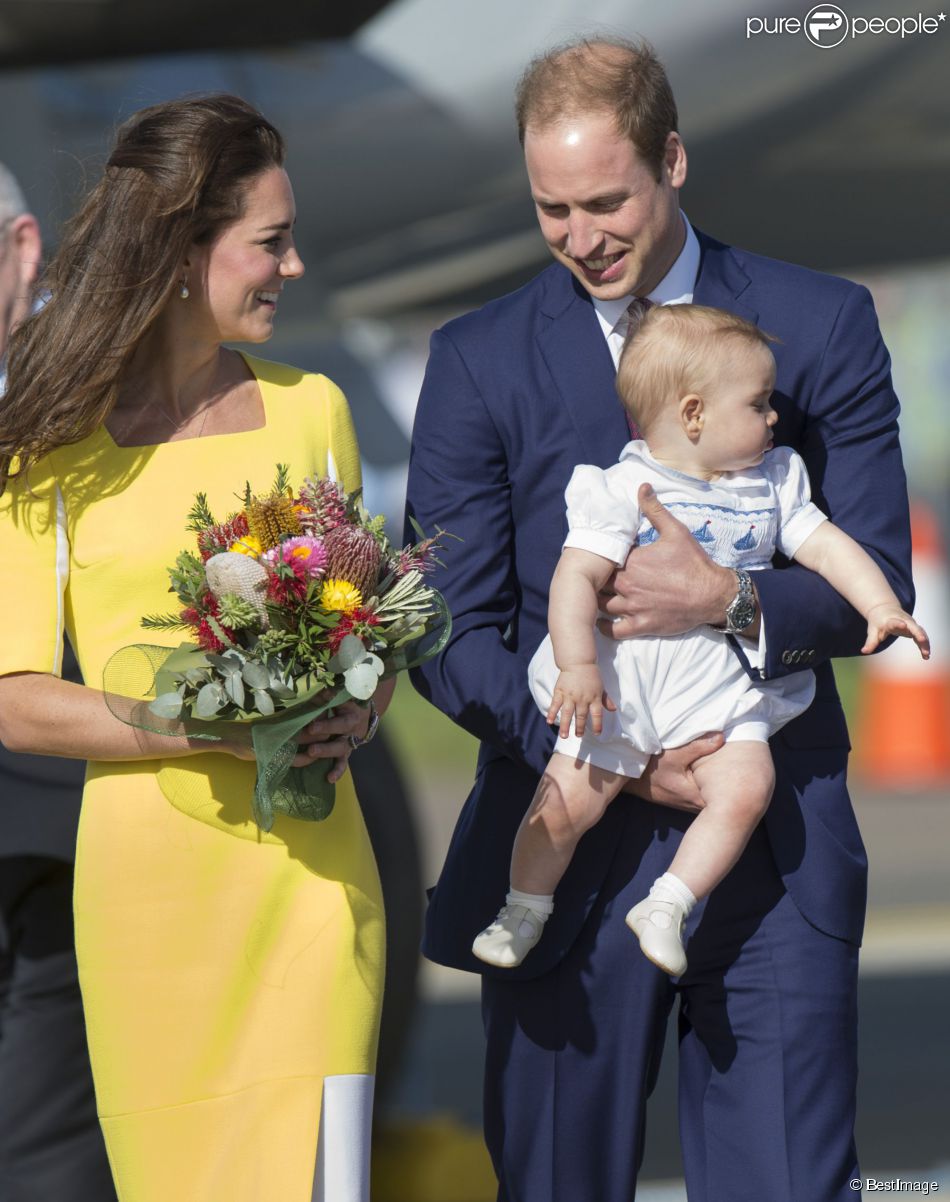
<point x="798" y="515"/>
<point x="343" y="453"/>
<point x="602" y="511"/>
<point x="34" y="551"/>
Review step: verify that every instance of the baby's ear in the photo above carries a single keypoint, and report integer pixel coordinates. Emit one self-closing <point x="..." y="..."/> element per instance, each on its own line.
<point x="691" y="413"/>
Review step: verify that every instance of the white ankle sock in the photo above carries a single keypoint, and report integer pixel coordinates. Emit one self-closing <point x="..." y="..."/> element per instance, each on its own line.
<point x="670" y="888"/>
<point x="541" y="903"/>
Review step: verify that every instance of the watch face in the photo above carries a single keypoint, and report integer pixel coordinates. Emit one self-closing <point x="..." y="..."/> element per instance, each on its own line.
<point x="741" y="613"/>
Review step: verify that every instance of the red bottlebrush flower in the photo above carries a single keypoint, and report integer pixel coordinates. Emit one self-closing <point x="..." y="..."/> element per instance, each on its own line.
<point x="358" y="622"/>
<point x="286" y="590"/>
<point x="190" y="615"/>
<point x="207" y="639"/>
<point x="222" y="536"/>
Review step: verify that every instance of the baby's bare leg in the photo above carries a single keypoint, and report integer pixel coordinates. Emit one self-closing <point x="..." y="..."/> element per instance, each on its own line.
<point x="736" y="783"/>
<point x="571" y="797"/>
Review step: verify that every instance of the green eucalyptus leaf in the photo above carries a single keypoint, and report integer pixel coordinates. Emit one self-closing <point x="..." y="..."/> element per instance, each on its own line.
<point x="256" y="675"/>
<point x="350" y="652"/>
<point x="209" y="700"/>
<point x="168" y="705"/>
<point x="263" y="701"/>
<point x="234" y="687"/>
<point x="361" y="680"/>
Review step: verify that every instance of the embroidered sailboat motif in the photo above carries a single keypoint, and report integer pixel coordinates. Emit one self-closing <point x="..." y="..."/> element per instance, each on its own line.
<point x="702" y="533"/>
<point x="747" y="542"/>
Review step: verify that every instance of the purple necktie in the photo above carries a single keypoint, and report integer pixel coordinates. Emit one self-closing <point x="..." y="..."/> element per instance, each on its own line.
<point x="628" y="326"/>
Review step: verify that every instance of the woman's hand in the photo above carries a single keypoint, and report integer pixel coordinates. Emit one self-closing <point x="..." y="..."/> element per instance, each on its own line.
<point x="668" y="780"/>
<point x="323" y="738"/>
<point x="329" y="738"/>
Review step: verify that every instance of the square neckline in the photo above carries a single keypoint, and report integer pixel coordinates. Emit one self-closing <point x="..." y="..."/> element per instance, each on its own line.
<point x="154" y="446"/>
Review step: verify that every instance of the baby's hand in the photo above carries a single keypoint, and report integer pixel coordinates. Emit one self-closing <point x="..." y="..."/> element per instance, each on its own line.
<point x="889" y="618"/>
<point x="579" y="692"/>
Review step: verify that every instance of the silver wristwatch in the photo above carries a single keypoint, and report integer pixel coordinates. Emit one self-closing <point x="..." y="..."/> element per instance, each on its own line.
<point x="742" y="609"/>
<point x="355" y="740"/>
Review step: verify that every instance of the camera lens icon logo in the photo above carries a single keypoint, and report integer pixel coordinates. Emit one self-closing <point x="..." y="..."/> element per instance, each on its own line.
<point x="826" y="26"/>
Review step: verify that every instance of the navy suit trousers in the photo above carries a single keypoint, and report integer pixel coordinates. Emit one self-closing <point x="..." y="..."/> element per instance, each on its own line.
<point x="767" y="1004"/>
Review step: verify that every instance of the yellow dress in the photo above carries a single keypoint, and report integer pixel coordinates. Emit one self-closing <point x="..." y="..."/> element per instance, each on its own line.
<point x="231" y="980"/>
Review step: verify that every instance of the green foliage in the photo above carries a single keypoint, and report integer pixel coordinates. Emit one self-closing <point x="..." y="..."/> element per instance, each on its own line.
<point x="238" y="613"/>
<point x="199" y="516"/>
<point x="282" y="479"/>
<point x="188" y="579"/>
<point x="163" y="622"/>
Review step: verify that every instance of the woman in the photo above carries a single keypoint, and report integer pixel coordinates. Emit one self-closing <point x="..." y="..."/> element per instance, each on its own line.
<point x="231" y="979"/>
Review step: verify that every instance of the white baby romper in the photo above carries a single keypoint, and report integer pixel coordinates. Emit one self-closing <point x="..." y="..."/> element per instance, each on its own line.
<point x="672" y="689"/>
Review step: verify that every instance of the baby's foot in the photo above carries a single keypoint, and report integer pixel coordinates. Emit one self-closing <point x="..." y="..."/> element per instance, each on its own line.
<point x="513" y="934"/>
<point x="659" y="927"/>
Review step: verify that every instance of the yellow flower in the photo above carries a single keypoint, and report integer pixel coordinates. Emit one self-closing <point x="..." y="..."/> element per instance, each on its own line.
<point x="248" y="545"/>
<point x="340" y="595"/>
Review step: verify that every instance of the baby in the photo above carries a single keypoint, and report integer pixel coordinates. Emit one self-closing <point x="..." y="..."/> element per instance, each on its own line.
<point x="698" y="382"/>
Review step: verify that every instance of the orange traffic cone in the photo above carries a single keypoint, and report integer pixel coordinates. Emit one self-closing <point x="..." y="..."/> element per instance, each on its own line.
<point x="904" y="726"/>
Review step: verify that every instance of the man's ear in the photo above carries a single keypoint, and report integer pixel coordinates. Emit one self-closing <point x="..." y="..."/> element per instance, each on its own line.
<point x="691" y="414"/>
<point x="674" y="159"/>
<point x="28" y="249"/>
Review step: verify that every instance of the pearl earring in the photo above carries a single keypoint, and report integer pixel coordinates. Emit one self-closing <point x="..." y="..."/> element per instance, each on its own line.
<point x="184" y="293"/>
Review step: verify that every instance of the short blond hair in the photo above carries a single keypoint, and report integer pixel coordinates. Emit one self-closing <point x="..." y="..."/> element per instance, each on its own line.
<point x="603" y="74"/>
<point x="676" y="350"/>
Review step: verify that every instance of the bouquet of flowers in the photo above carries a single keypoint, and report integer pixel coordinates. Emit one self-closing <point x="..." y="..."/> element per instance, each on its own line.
<point x="294" y="604"/>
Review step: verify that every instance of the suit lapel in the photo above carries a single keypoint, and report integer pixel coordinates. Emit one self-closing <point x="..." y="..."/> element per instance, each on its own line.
<point x="722" y="282"/>
<point x="578" y="358"/>
<point x="576" y="352"/>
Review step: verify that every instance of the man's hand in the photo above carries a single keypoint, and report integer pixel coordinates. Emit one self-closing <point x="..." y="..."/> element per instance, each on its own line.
<point x="579" y="693"/>
<point x="669" y="586"/>
<point x="668" y="780"/>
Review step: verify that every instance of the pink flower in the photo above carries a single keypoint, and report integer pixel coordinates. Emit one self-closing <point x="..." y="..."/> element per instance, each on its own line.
<point x="300" y="553"/>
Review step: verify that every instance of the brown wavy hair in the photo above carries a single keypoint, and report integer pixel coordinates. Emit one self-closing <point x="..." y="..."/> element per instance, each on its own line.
<point x="177" y="176"/>
<point x="604" y="74"/>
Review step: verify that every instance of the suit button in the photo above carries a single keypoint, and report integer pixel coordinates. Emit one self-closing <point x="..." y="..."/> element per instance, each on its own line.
<point x="810" y="655"/>
<point x="787" y="657"/>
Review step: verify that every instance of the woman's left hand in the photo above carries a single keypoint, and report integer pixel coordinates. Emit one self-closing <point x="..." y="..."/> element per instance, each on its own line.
<point x="328" y="738"/>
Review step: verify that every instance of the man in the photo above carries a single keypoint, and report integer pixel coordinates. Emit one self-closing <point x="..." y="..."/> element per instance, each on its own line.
<point x="514" y="396"/>
<point x="51" y="1146"/>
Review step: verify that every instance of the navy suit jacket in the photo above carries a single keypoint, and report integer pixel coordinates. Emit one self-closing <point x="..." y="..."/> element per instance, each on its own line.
<point x="515" y="395"/>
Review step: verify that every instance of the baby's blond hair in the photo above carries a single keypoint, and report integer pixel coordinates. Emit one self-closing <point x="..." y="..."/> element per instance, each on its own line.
<point x="676" y="350"/>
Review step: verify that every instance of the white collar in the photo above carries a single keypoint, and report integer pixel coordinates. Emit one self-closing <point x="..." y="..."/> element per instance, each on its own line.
<point x="752" y="479"/>
<point x="676" y="287"/>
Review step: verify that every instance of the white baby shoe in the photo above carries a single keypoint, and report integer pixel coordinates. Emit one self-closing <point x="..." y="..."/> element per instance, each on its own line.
<point x="513" y="934"/>
<point x="659" y="927"/>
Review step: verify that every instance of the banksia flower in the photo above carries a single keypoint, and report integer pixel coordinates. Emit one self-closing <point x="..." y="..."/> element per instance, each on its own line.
<point x="222" y="536"/>
<point x="240" y="575"/>
<point x="272" y="518"/>
<point x="354" y="554"/>
<point x="327" y="501"/>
